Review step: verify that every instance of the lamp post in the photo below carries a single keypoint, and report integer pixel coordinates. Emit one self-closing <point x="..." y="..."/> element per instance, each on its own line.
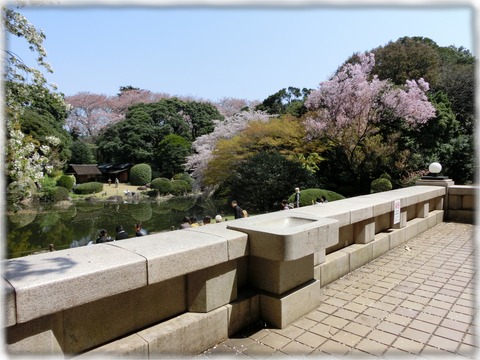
<point x="434" y="170"/>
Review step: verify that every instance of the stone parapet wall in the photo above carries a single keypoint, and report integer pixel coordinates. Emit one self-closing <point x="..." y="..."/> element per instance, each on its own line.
<point x="183" y="291"/>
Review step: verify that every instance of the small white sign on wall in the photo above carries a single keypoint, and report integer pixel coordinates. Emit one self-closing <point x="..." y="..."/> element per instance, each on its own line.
<point x="396" y="211"/>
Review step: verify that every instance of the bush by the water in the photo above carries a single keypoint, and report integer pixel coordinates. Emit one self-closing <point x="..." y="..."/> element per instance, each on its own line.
<point x="180" y="187"/>
<point x="60" y="193"/>
<point x="380" y="184"/>
<point x="88" y="188"/>
<point x="66" y="181"/>
<point x="140" y="174"/>
<point x="162" y="186"/>
<point x="308" y="196"/>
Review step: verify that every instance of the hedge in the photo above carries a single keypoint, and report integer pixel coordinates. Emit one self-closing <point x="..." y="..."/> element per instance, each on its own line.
<point x="88" y="188"/>
<point x="380" y="184"/>
<point x="66" y="181"/>
<point x="308" y="196"/>
<point x="162" y="185"/>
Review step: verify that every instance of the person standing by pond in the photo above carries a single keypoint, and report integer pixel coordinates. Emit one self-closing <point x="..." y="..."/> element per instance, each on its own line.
<point x="297" y="197"/>
<point x="103" y="237"/>
<point x="237" y="210"/>
<point x="139" y="231"/>
<point x="121" y="233"/>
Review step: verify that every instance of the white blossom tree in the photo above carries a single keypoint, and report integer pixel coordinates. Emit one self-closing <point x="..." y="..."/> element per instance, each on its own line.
<point x="26" y="163"/>
<point x="204" y="145"/>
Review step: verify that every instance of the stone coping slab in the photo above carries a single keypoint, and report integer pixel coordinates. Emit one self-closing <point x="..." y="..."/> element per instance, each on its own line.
<point x="237" y="241"/>
<point x="175" y="253"/>
<point x="351" y="210"/>
<point x="51" y="282"/>
<point x="463" y="190"/>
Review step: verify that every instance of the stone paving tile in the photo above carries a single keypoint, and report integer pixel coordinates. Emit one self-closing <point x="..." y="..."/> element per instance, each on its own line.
<point x="295" y="348"/>
<point x="418" y="303"/>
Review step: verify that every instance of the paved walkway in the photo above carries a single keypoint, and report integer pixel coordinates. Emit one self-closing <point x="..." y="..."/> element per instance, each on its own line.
<point x="417" y="300"/>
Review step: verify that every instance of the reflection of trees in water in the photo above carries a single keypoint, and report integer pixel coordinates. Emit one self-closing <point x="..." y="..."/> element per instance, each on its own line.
<point x="81" y="222"/>
<point x="141" y="212"/>
<point x="21" y="245"/>
<point x="183" y="203"/>
<point x="22" y="218"/>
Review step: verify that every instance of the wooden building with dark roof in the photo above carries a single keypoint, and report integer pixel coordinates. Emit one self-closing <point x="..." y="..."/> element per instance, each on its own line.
<point x="84" y="173"/>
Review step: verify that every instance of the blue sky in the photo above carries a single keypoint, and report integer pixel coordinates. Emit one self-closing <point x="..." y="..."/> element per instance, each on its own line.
<point x="215" y="52"/>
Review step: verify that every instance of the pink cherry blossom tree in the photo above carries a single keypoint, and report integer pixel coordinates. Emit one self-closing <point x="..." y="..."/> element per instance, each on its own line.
<point x="347" y="110"/>
<point x="89" y="113"/>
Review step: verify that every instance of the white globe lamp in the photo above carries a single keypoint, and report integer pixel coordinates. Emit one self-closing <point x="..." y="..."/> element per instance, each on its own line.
<point x="435" y="168"/>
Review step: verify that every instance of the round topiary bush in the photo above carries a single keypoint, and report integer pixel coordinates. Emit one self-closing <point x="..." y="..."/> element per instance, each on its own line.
<point x="140" y="174"/>
<point x="60" y="193"/>
<point x="308" y="196"/>
<point x="185" y="177"/>
<point x="162" y="186"/>
<point x="88" y="188"/>
<point x="180" y="187"/>
<point x="66" y="181"/>
<point x="379" y="185"/>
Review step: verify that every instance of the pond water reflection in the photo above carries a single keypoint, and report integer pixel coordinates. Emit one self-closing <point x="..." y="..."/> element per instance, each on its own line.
<point x="34" y="229"/>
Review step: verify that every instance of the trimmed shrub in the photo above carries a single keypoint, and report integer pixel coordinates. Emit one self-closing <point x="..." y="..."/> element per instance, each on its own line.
<point x="385" y="176"/>
<point x="140" y="174"/>
<point x="88" y="188"/>
<point x="180" y="187"/>
<point x="184" y="176"/>
<point x="66" y="181"/>
<point x="60" y="193"/>
<point x="379" y="185"/>
<point x="162" y="185"/>
<point x="308" y="196"/>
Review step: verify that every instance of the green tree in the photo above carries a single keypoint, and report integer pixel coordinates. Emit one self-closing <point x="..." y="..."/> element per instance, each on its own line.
<point x="171" y="155"/>
<point x="284" y="135"/>
<point x="81" y="153"/>
<point x="136" y="138"/>
<point x="265" y="179"/>
<point x="285" y="101"/>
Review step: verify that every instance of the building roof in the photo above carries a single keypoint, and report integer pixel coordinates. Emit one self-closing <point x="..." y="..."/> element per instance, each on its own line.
<point x="81" y="169"/>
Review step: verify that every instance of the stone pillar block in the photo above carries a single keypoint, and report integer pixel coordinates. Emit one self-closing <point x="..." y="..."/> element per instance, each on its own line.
<point x="423" y="209"/>
<point x="411" y="230"/>
<point x="130" y="347"/>
<point x="397" y="237"/>
<point x="278" y="277"/>
<point x="187" y="334"/>
<point x="280" y="311"/>
<point x="335" y="266"/>
<point x="243" y="312"/>
<point x="364" y="231"/>
<point x="359" y="255"/>
<point x="319" y="257"/>
<point x="210" y="288"/>
<point x="382" y="222"/>
<point x="89" y="325"/>
<point x="380" y="245"/>
<point x="41" y="336"/>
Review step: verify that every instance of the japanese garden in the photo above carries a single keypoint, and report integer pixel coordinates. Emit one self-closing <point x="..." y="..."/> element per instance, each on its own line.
<point x="374" y="125"/>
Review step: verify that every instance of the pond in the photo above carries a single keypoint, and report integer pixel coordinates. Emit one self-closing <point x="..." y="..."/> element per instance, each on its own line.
<point x="76" y="223"/>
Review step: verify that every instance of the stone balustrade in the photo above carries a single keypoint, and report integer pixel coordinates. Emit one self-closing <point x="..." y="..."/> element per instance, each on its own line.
<point x="182" y="292"/>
